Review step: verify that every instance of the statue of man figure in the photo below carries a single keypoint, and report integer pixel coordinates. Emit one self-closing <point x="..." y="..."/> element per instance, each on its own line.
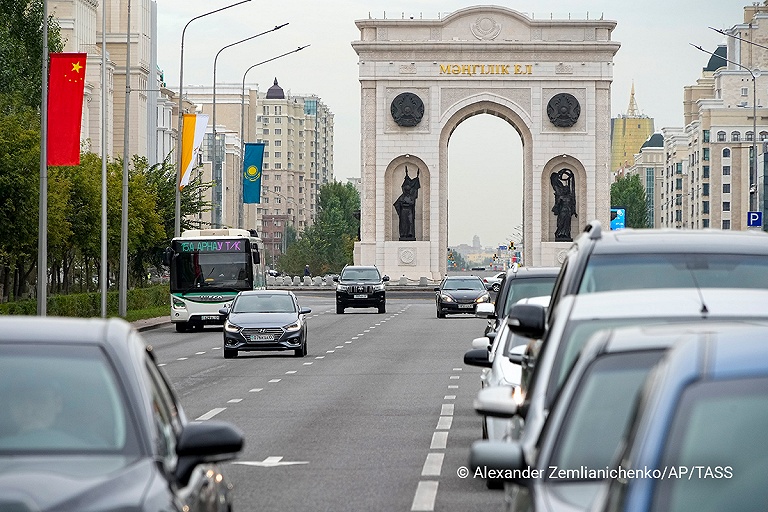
<point x="565" y="203"/>
<point x="406" y="206"/>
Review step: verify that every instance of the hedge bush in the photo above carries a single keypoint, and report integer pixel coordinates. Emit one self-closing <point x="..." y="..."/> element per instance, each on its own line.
<point x="89" y="304"/>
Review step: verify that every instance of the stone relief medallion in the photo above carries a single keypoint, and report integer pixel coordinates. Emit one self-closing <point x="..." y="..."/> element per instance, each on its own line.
<point x="407" y="109"/>
<point x="563" y="110"/>
<point x="561" y="256"/>
<point x="407" y="256"/>
<point x="485" y="28"/>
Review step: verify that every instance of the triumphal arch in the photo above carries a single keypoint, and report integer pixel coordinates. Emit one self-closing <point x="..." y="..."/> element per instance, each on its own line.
<point x="420" y="78"/>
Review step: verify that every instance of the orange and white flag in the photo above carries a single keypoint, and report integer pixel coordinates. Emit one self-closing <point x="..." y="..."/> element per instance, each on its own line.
<point x="192" y="133"/>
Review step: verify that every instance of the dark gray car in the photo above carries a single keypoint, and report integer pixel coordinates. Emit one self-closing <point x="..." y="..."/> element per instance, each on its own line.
<point x="90" y="423"/>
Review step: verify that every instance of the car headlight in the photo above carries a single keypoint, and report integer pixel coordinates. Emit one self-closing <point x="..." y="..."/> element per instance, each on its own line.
<point x="230" y="327"/>
<point x="179" y="304"/>
<point x="483" y="298"/>
<point x="446" y="298"/>
<point x="378" y="287"/>
<point x="341" y="288"/>
<point x="295" y="326"/>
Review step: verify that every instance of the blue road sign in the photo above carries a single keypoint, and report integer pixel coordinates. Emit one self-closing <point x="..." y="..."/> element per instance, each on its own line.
<point x="754" y="219"/>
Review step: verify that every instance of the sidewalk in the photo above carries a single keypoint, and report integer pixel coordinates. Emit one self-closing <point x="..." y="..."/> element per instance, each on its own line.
<point x="151" y="323"/>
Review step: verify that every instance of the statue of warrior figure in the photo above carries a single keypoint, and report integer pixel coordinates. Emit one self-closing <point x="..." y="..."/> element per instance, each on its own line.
<point x="565" y="203"/>
<point x="406" y="206"/>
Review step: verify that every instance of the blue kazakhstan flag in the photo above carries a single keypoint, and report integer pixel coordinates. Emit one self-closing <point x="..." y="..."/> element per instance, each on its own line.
<point x="252" y="162"/>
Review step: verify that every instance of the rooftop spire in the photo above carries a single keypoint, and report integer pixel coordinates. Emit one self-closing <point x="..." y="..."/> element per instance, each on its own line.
<point x="632" y="110"/>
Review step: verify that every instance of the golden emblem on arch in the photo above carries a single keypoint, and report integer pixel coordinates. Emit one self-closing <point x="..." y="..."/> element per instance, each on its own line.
<point x="252" y="173"/>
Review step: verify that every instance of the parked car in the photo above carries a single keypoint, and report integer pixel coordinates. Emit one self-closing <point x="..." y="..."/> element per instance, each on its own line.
<point x="627" y="259"/>
<point x="493" y="282"/>
<point x="547" y="361"/>
<point x="89" y="422"/>
<point x="260" y="320"/>
<point x="361" y="286"/>
<point x="460" y="294"/>
<point x="700" y="423"/>
<point x="518" y="283"/>
<point x="583" y="432"/>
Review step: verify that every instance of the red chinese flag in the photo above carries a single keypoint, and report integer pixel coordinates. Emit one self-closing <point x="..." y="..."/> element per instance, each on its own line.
<point x="66" y="80"/>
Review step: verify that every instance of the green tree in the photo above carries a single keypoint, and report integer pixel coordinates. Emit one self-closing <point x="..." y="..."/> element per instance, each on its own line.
<point x="328" y="244"/>
<point x="628" y="191"/>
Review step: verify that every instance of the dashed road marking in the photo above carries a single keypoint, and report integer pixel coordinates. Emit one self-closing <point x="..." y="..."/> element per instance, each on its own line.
<point x="274" y="380"/>
<point x="444" y="423"/>
<point x="235" y="401"/>
<point x="424" y="500"/>
<point x="210" y="414"/>
<point x="290" y="372"/>
<point x="255" y="390"/>
<point x="439" y="441"/>
<point x="433" y="465"/>
<point x="446" y="410"/>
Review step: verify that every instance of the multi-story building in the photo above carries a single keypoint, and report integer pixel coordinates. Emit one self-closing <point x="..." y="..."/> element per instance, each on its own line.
<point x="628" y="133"/>
<point x="715" y="167"/>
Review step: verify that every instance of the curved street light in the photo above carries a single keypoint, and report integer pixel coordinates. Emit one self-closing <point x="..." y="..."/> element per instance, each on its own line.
<point x="216" y="170"/>
<point x="177" y="213"/>
<point x="240" y="219"/>
<point x="753" y="188"/>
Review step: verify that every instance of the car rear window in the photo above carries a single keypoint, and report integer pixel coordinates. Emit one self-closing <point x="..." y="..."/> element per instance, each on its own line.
<point x="605" y="272"/>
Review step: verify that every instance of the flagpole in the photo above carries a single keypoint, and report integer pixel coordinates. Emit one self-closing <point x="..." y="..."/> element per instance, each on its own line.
<point x="216" y="171"/>
<point x="241" y="206"/>
<point x="42" y="240"/>
<point x="177" y="221"/>
<point x="104" y="264"/>
<point x="123" y="286"/>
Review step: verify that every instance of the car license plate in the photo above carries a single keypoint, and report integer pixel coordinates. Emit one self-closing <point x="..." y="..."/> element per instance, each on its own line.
<point x="363" y="296"/>
<point x="464" y="306"/>
<point x="210" y="317"/>
<point x="262" y="337"/>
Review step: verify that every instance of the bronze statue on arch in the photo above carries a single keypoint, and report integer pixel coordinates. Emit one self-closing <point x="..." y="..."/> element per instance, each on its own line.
<point x="406" y="206"/>
<point x="563" y="184"/>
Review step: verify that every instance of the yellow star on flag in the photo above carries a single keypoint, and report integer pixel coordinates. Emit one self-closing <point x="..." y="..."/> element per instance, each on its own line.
<point x="76" y="67"/>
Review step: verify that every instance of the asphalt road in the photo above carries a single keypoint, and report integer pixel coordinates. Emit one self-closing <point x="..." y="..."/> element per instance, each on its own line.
<point x="378" y="416"/>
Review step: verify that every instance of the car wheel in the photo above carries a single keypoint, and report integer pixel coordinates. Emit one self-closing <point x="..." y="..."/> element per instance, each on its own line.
<point x="301" y="352"/>
<point x="440" y="314"/>
<point x="383" y="307"/>
<point x="181" y="326"/>
<point x="496" y="287"/>
<point x="339" y="309"/>
<point x="230" y="353"/>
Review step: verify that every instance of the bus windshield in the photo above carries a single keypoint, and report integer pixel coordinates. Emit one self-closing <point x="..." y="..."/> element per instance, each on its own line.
<point x="209" y="270"/>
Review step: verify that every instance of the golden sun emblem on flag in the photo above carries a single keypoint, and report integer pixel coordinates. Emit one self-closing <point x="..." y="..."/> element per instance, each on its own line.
<point x="252" y="173"/>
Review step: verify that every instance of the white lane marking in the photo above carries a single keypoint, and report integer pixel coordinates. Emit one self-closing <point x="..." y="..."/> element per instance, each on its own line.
<point x="377" y="323"/>
<point x="453" y="387"/>
<point x="457" y="369"/>
<point x="455" y="377"/>
<point x="182" y="359"/>
<point x="433" y="465"/>
<point x="235" y="401"/>
<point x="199" y="353"/>
<point x="439" y="441"/>
<point x="274" y="380"/>
<point x="210" y="414"/>
<point x="355" y="337"/>
<point x="290" y="372"/>
<point x="320" y="357"/>
<point x="424" y="500"/>
<point x="161" y="364"/>
<point x="373" y="327"/>
<point x="361" y="334"/>
<point x="330" y="351"/>
<point x="367" y="330"/>
<point x="339" y="346"/>
<point x="444" y="423"/>
<point x="270" y="462"/>
<point x="307" y="364"/>
<point x="347" y="342"/>
<point x="449" y="397"/>
<point x="446" y="410"/>
<point x="255" y="390"/>
<point x="216" y="348"/>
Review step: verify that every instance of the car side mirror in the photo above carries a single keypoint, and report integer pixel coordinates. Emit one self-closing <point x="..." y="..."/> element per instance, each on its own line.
<point x="224" y="311"/>
<point x="304" y="311"/>
<point x="499" y="456"/>
<point x="527" y="320"/>
<point x="202" y="442"/>
<point x="477" y="357"/>
<point x="482" y="342"/>
<point x="485" y="310"/>
<point x="497" y="402"/>
<point x="516" y="354"/>
<point x="385" y="278"/>
<point x="437" y="288"/>
<point x="335" y="279"/>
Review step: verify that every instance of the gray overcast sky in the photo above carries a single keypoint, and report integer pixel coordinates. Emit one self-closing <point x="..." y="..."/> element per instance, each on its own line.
<point x="484" y="152"/>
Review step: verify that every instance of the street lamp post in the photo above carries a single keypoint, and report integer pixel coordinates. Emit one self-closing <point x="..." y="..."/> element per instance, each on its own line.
<point x="216" y="171"/>
<point x="177" y="213"/>
<point x="240" y="220"/>
<point x="754" y="197"/>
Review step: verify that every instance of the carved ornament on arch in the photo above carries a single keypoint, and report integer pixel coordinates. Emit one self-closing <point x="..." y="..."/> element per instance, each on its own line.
<point x="485" y="28"/>
<point x="450" y="96"/>
<point x="382" y="34"/>
<point x="581" y="97"/>
<point x="435" y="34"/>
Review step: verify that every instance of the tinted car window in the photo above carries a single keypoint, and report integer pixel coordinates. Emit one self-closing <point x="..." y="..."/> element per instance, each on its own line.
<point x="361" y="274"/>
<point x="607" y="272"/>
<point x="463" y="284"/>
<point x="64" y="399"/>
<point x="718" y="425"/>
<point x="600" y="410"/>
<point x="263" y="303"/>
<point x="527" y="288"/>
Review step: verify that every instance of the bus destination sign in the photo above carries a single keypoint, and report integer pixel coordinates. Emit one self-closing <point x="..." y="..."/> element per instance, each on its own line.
<point x="212" y="246"/>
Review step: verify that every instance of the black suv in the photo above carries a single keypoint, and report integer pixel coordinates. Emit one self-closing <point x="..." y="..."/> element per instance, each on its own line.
<point x="360" y="287"/>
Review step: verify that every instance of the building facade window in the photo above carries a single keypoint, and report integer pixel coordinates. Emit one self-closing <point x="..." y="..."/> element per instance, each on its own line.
<point x="720" y="136"/>
<point x="705" y="207"/>
<point x="726" y="224"/>
<point x="726" y="153"/>
<point x="705" y="171"/>
<point x="705" y="135"/>
<point x="726" y="188"/>
<point x="726" y="170"/>
<point x="749" y="136"/>
<point x="278" y="131"/>
<point x="726" y="206"/>
<point x="763" y="135"/>
<point x="735" y="136"/>
<point x="705" y="223"/>
<point x="265" y="110"/>
<point x="705" y="154"/>
<point x="705" y="190"/>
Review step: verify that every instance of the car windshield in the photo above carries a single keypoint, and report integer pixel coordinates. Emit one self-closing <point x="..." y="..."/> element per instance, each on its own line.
<point x="719" y="434"/>
<point x="360" y="274"/>
<point x="61" y="399"/>
<point x="599" y="412"/>
<point x="264" y="303"/>
<point x="527" y="288"/>
<point x="607" y="272"/>
<point x="463" y="284"/>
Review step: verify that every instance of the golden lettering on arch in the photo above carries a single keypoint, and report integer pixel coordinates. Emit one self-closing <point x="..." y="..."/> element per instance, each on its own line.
<point x="486" y="69"/>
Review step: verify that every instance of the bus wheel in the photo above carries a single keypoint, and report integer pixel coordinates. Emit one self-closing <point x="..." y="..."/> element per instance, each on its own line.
<point x="181" y="326"/>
